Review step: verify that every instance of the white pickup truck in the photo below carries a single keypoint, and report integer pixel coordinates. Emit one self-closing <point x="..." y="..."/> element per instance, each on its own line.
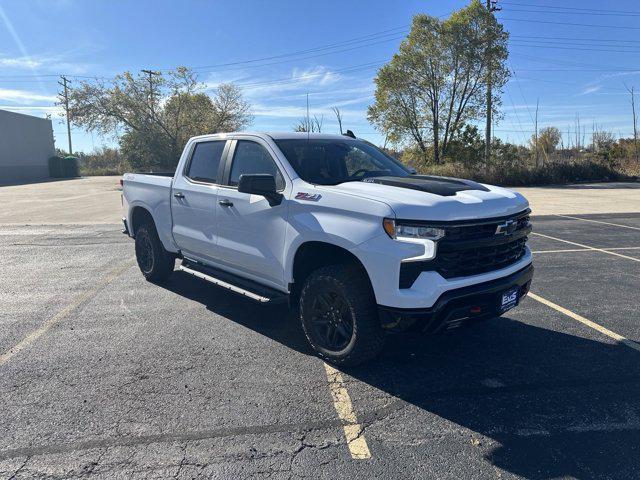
<point x="353" y="239"/>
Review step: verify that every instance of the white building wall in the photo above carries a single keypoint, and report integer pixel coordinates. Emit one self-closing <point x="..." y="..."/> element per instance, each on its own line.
<point x="26" y="143"/>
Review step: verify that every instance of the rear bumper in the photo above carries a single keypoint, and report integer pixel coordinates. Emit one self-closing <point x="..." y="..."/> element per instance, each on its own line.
<point x="474" y="302"/>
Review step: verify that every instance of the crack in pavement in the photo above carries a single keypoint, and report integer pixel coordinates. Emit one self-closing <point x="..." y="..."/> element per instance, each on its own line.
<point x="170" y="438"/>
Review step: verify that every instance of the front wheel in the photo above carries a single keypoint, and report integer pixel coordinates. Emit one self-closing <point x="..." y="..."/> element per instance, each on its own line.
<point x="340" y="316"/>
<point x="155" y="263"/>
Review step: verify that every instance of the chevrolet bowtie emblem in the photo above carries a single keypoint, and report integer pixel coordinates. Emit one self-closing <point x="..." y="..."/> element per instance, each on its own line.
<point x="507" y="228"/>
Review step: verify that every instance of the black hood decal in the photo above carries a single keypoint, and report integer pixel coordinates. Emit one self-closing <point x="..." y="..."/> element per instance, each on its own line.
<point x="444" y="186"/>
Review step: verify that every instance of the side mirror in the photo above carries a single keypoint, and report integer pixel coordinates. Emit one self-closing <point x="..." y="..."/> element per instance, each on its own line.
<point x="413" y="171"/>
<point x="260" y="184"/>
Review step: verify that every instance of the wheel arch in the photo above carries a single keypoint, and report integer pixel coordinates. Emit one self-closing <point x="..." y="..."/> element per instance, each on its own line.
<point x="314" y="254"/>
<point x="139" y="216"/>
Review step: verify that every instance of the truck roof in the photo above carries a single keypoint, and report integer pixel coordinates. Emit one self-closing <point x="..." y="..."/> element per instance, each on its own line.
<point x="280" y="135"/>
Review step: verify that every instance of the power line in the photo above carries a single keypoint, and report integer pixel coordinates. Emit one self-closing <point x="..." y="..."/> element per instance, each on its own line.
<point x="364" y="38"/>
<point x="540" y="37"/>
<point x="203" y="69"/>
<point x="559" y="47"/>
<point x="559" y="12"/>
<point x="528" y="20"/>
<point x="563" y="62"/>
<point x="595" y="10"/>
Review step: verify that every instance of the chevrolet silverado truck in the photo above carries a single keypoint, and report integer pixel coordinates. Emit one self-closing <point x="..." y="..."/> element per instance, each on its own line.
<point x="352" y="239"/>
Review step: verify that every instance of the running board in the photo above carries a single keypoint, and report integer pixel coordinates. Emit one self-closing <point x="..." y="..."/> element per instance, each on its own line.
<point x="241" y="286"/>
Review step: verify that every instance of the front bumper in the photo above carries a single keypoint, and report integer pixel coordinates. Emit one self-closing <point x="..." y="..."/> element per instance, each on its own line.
<point x="454" y="307"/>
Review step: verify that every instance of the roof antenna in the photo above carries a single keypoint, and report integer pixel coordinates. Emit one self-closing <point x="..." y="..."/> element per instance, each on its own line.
<point x="349" y="134"/>
<point x="308" y="122"/>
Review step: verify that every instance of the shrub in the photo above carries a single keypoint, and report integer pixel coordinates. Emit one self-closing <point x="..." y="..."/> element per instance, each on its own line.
<point x="104" y="161"/>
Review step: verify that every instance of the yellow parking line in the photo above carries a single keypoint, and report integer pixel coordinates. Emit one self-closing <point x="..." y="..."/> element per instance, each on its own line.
<point x="598" y="221"/>
<point x="356" y="442"/>
<point x="605" y="331"/>
<point x="587" y="247"/>
<point x="64" y="313"/>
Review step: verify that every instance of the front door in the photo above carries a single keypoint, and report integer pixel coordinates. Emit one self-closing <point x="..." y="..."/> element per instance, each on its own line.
<point x="250" y="231"/>
<point x="193" y="201"/>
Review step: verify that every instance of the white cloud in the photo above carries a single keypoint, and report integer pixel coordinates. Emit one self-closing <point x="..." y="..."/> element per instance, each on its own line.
<point x="298" y="79"/>
<point x="590" y="89"/>
<point x="38" y="110"/>
<point x="319" y="75"/>
<point x="51" y="63"/>
<point x="19" y="62"/>
<point x="24" y="96"/>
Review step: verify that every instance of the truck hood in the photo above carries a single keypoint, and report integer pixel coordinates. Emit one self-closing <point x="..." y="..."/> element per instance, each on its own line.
<point x="436" y="198"/>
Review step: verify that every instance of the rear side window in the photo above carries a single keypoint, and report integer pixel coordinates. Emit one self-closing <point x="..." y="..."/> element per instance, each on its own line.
<point x="205" y="161"/>
<point x="251" y="158"/>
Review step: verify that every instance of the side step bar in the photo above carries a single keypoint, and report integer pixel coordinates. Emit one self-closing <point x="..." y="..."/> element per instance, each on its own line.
<point x="247" y="288"/>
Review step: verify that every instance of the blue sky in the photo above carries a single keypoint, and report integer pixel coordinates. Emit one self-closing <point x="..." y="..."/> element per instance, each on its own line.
<point x="575" y="60"/>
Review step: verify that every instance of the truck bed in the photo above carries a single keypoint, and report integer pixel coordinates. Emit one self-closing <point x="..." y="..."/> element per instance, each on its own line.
<point x="152" y="191"/>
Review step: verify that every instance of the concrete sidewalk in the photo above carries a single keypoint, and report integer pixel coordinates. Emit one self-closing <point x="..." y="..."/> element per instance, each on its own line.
<point x="583" y="198"/>
<point x="89" y="200"/>
<point x="96" y="200"/>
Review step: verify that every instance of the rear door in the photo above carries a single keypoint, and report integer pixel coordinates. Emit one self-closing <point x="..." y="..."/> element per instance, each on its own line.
<point x="250" y="231"/>
<point x="194" y="199"/>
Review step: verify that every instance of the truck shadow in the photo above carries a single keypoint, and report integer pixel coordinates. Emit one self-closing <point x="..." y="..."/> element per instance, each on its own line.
<point x="543" y="404"/>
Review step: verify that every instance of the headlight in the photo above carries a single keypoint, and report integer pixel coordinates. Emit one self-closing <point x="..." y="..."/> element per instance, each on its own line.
<point x="400" y="231"/>
<point x="412" y="233"/>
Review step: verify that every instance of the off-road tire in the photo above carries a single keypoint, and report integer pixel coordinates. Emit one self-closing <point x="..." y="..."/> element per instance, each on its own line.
<point x="155" y="263"/>
<point x="351" y="282"/>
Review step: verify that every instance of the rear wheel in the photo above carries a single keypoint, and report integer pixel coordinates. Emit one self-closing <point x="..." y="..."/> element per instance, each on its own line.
<point x="340" y="316"/>
<point x="155" y="263"/>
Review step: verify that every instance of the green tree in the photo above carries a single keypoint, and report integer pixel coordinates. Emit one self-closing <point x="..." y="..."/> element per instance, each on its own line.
<point x="157" y="113"/>
<point x="546" y="141"/>
<point x="436" y="83"/>
<point x="467" y="147"/>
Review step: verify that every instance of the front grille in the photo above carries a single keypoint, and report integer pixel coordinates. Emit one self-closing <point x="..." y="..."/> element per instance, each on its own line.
<point x="472" y="249"/>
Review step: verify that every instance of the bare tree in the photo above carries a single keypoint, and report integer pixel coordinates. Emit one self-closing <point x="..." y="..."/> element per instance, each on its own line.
<point x="308" y="124"/>
<point x="336" y="111"/>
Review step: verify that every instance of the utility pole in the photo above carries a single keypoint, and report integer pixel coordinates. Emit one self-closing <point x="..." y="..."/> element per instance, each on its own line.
<point x="635" y="120"/>
<point x="151" y="73"/>
<point x="492" y="6"/>
<point x="536" y="137"/>
<point x="65" y="96"/>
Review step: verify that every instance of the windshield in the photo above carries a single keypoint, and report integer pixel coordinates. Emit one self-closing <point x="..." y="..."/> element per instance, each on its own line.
<point x="329" y="162"/>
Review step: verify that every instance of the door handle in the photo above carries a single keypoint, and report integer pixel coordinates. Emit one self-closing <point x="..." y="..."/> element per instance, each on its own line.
<point x="178" y="195"/>
<point x="225" y="203"/>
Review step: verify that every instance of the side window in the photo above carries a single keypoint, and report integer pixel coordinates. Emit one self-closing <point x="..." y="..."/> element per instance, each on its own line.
<point x="205" y="160"/>
<point x="250" y="158"/>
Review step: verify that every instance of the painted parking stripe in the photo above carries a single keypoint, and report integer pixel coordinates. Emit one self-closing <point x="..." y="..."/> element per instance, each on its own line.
<point x="64" y="313"/>
<point x="598" y="221"/>
<point x="356" y="442"/>
<point x="605" y="331"/>
<point x="587" y="247"/>
<point x="584" y="250"/>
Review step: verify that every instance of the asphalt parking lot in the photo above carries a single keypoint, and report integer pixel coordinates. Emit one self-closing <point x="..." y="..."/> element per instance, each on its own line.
<point x="103" y="374"/>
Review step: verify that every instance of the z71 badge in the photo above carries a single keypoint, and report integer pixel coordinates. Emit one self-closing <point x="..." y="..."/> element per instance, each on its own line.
<point x="308" y="197"/>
